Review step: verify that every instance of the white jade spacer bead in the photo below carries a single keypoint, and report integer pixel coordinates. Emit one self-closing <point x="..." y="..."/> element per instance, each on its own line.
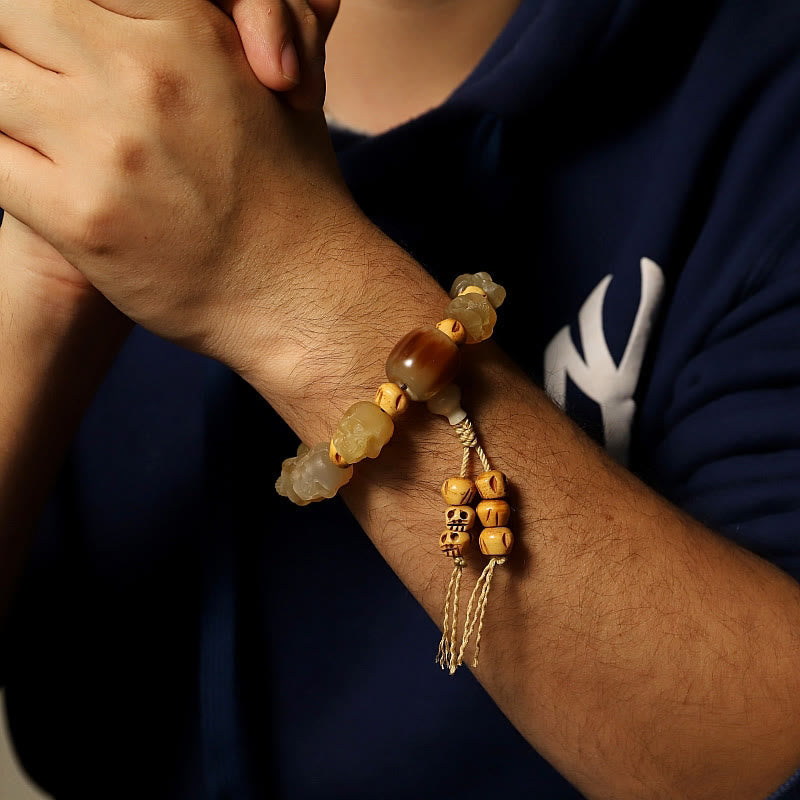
<point x="447" y="403"/>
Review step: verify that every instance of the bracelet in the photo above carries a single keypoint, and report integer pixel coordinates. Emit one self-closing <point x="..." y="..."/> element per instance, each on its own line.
<point x="421" y="367"/>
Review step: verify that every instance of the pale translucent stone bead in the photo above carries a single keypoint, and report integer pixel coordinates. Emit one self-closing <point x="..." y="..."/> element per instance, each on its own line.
<point x="316" y="477"/>
<point x="496" y="541"/>
<point x="423" y="362"/>
<point x="494" y="291"/>
<point x="283" y="486"/>
<point x="310" y="476"/>
<point x="362" y="432"/>
<point x="391" y="399"/>
<point x="475" y="313"/>
<point x="458" y="491"/>
<point x="448" y="404"/>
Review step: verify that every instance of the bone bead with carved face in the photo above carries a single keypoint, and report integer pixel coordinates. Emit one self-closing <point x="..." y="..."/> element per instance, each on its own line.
<point x="454" y="543"/>
<point x="459" y="518"/>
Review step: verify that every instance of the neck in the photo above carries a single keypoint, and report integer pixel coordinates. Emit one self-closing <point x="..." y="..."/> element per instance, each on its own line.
<point x="392" y="60"/>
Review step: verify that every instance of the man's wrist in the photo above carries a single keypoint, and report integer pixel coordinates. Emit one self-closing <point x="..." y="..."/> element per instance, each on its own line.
<point x="352" y="298"/>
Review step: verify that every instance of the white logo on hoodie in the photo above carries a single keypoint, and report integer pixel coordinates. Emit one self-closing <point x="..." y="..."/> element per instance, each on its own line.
<point x="610" y="385"/>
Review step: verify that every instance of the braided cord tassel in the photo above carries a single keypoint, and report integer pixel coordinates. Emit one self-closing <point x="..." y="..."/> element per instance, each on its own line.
<point x="446" y="657"/>
<point x="495" y="540"/>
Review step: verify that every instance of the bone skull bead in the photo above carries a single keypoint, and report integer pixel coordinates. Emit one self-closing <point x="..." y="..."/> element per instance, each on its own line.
<point x="454" y="543"/>
<point x="459" y="518"/>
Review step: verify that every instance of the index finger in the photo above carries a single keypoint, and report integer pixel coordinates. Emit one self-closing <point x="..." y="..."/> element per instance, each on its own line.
<point x="47" y="32"/>
<point x="148" y="9"/>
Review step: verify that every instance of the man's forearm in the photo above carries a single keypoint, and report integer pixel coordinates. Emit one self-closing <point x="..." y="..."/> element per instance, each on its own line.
<point x="642" y="654"/>
<point x="54" y="353"/>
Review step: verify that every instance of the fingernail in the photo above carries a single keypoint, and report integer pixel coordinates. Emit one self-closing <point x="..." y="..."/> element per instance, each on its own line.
<point x="290" y="63"/>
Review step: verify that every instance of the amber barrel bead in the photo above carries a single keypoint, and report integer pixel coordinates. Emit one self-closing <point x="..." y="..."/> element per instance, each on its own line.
<point x="423" y="362"/>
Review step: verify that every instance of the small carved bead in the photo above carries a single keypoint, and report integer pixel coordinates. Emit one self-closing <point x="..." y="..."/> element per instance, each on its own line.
<point x="423" y="362"/>
<point x="448" y="404"/>
<point x="495" y="292"/>
<point x="454" y="543"/>
<point x="454" y="329"/>
<point x="458" y="491"/>
<point x="496" y="541"/>
<point x="391" y="399"/>
<point x="491" y="484"/>
<point x="362" y="432"/>
<point x="473" y="290"/>
<point x="459" y="518"/>
<point x="475" y="313"/>
<point x="493" y="513"/>
<point x="336" y="457"/>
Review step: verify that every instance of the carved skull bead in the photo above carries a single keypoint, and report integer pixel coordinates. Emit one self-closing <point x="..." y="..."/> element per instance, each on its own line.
<point x="459" y="518"/>
<point x="454" y="543"/>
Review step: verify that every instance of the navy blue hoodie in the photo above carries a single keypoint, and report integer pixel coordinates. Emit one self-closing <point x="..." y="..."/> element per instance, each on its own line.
<point x="628" y="169"/>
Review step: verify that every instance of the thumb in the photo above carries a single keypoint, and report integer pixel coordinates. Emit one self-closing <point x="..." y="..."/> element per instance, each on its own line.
<point x="266" y="31"/>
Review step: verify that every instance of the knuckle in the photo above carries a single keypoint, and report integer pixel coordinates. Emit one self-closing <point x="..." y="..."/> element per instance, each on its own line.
<point x="152" y="82"/>
<point x="166" y="89"/>
<point x="94" y="226"/>
<point x="131" y="156"/>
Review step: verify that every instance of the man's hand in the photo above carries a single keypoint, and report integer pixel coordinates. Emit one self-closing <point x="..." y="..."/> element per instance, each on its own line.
<point x="140" y="144"/>
<point x="268" y="29"/>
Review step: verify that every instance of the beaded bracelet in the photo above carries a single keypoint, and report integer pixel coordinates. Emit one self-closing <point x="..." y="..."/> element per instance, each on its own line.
<point x="421" y="367"/>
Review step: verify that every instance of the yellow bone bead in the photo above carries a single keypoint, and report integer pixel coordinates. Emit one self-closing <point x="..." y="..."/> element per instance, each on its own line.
<point x="454" y="329"/>
<point x="496" y="541"/>
<point x="336" y="456"/>
<point x="459" y="518"/>
<point x="495" y="292"/>
<point x="491" y="484"/>
<point x="391" y="399"/>
<point x="473" y="290"/>
<point x="458" y="491"/>
<point x="454" y="543"/>
<point x="493" y="513"/>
